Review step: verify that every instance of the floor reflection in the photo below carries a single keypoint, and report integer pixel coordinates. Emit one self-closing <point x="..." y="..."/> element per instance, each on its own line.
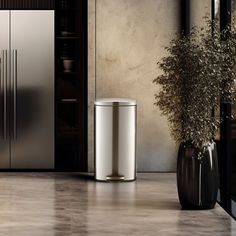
<point x="215" y="223"/>
<point x="71" y="205"/>
<point x="27" y="204"/>
<point x="61" y="204"/>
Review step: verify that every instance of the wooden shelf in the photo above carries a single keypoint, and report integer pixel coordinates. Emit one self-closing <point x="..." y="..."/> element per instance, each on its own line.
<point x="66" y="73"/>
<point x="67" y="37"/>
<point x="69" y="100"/>
<point x="66" y="9"/>
<point x="67" y="133"/>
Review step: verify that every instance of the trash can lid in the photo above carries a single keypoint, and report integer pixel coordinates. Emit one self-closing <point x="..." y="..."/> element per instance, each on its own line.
<point x="115" y="102"/>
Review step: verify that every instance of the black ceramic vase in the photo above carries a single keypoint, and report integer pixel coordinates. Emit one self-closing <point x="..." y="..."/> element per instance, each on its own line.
<point x="197" y="180"/>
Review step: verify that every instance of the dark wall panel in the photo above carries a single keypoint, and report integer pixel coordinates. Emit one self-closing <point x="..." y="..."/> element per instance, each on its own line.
<point x="27" y="4"/>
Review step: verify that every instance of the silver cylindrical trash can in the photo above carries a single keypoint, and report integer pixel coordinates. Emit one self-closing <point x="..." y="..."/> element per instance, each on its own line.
<point x="115" y="139"/>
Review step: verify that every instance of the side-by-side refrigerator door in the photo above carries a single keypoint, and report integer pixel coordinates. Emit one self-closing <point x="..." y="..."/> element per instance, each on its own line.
<point x="4" y="90"/>
<point x="32" y="86"/>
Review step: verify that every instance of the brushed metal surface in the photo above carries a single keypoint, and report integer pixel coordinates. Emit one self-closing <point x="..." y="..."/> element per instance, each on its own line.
<point x="115" y="102"/>
<point x="32" y="35"/>
<point x="115" y="145"/>
<point x="14" y="91"/>
<point x="4" y="90"/>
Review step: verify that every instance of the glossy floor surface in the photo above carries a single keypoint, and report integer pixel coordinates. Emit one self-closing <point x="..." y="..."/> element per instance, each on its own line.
<point x="47" y="204"/>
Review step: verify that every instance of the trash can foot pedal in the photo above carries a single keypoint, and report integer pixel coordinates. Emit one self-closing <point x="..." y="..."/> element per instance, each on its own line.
<point x="115" y="178"/>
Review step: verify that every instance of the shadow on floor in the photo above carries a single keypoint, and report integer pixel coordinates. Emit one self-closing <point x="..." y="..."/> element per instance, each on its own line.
<point x="158" y="204"/>
<point x="80" y="176"/>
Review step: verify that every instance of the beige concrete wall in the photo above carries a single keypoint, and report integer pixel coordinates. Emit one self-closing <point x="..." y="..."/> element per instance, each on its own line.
<point x="198" y="10"/>
<point x="91" y="82"/>
<point x="131" y="35"/>
<point x="130" y="39"/>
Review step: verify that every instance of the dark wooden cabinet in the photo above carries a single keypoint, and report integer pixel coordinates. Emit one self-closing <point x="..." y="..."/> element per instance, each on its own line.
<point x="71" y="85"/>
<point x="27" y="4"/>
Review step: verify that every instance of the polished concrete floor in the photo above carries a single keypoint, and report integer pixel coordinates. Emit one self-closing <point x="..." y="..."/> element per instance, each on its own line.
<point x="60" y="204"/>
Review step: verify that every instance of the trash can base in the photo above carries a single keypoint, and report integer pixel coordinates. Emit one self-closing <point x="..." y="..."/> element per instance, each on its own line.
<point x="115" y="178"/>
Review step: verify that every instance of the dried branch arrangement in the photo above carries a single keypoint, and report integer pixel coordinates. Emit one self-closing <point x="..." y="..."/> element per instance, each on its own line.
<point x="198" y="70"/>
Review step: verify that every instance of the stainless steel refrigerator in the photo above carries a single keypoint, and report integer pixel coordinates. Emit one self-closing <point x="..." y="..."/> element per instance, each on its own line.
<point x="26" y="89"/>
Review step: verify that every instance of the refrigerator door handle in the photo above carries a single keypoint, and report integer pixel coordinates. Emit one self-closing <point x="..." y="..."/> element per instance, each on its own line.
<point x="14" y="72"/>
<point x="4" y="91"/>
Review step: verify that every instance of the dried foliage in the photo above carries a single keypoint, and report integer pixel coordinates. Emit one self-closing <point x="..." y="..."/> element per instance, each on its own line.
<point x="198" y="70"/>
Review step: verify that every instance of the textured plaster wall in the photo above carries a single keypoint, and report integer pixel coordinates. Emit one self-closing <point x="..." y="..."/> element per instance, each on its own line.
<point x="91" y="82"/>
<point x="198" y="10"/>
<point x="130" y="39"/>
